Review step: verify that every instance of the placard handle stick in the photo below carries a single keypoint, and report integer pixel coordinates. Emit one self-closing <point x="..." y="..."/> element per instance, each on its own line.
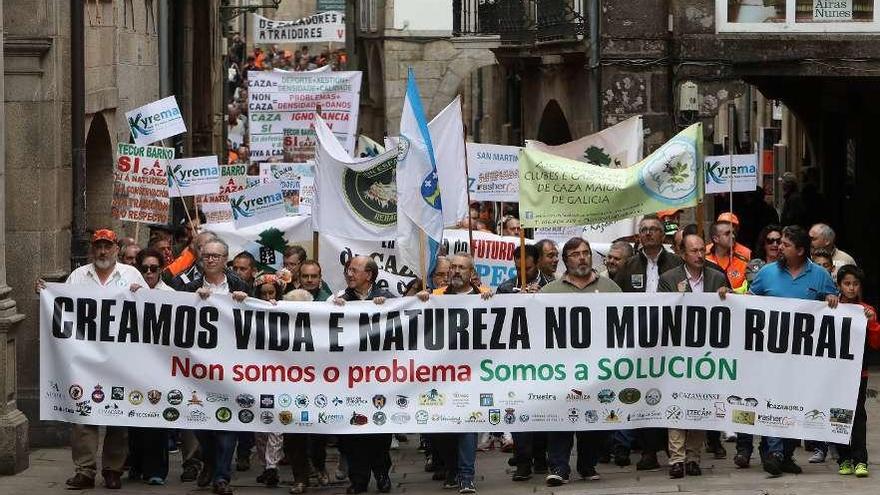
<point x="522" y="258"/>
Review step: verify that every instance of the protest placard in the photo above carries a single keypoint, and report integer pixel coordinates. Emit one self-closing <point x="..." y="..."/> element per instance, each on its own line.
<point x="493" y="172"/>
<point x="544" y="362"/>
<point x="216" y="207"/>
<point x="193" y="176"/>
<point x="155" y="121"/>
<point x="282" y="108"/>
<point x="257" y="204"/>
<point x="140" y="187"/>
<point x="297" y="185"/>
<point x="267" y="241"/>
<point x="718" y="172"/>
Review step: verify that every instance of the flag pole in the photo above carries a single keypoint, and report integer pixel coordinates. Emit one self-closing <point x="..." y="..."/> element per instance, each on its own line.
<point x="314" y="245"/>
<point x="182" y="199"/>
<point x="423" y="256"/>
<point x="467" y="174"/>
<point x="522" y="258"/>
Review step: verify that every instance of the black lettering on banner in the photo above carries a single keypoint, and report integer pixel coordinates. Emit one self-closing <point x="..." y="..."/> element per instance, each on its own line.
<point x="719" y="327"/>
<point x="434" y="323"/>
<point x="412" y="316"/>
<point x="802" y="334"/>
<point x="208" y="317"/>
<point x="671" y="326"/>
<point x="755" y="330"/>
<point x="555" y="327"/>
<point x="519" y="330"/>
<point x="242" y="324"/>
<point x="495" y="341"/>
<point x="369" y="331"/>
<point x="458" y="325"/>
<point x="61" y="328"/>
<point x="157" y="328"/>
<point x="259" y="330"/>
<point x="581" y="328"/>
<point x="695" y="328"/>
<point x="620" y="330"/>
<point x="648" y="326"/>
<point x="393" y="332"/>
<point x="86" y="312"/>
<point x="302" y="333"/>
<point x="845" y="339"/>
<point x="106" y="319"/>
<point x="184" y="327"/>
<point x="279" y="331"/>
<point x="826" y="347"/>
<point x="128" y="324"/>
<point x="478" y="328"/>
<point x="778" y="332"/>
<point x="335" y="330"/>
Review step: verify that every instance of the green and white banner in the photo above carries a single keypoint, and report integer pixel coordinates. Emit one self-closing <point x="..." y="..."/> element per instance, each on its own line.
<point x="558" y="192"/>
<point x="769" y="366"/>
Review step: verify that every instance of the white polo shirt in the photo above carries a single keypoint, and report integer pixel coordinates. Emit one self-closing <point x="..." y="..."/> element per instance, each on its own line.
<point x="122" y="276"/>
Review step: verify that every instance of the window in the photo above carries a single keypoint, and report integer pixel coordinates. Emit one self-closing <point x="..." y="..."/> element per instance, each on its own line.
<point x="817" y="16"/>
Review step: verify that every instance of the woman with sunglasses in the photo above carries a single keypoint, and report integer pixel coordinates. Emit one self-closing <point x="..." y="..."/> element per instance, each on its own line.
<point x="148" y="447"/>
<point x="767" y="246"/>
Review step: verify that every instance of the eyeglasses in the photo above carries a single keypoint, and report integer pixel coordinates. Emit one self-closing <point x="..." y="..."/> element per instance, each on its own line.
<point x="650" y="230"/>
<point x="212" y="256"/>
<point x="150" y="268"/>
<point x="579" y="254"/>
<point x="773" y="240"/>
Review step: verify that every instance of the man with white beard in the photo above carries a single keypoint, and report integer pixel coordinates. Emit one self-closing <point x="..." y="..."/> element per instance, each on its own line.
<point x="579" y="277"/>
<point x="103" y="271"/>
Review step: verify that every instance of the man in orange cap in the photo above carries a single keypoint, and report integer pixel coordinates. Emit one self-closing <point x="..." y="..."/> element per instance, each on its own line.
<point x="724" y="251"/>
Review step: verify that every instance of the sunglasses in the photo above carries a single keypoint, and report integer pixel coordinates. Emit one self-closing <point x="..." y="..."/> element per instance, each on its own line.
<point x="150" y="268"/>
<point x="773" y="240"/>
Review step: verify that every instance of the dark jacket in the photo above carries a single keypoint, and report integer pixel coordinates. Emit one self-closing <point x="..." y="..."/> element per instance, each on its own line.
<point x="637" y="265"/>
<point x="322" y="293"/>
<point x="375" y="291"/>
<point x="512" y="285"/>
<point x="235" y="283"/>
<point x="670" y="280"/>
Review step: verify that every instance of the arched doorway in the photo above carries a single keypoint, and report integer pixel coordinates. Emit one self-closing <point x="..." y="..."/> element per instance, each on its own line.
<point x="553" y="129"/>
<point x="99" y="174"/>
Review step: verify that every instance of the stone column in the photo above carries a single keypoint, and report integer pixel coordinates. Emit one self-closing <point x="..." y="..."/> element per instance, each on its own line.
<point x="13" y="424"/>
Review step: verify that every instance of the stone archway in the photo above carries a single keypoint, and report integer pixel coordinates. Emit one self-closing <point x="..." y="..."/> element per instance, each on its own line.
<point x="99" y="174"/>
<point x="553" y="128"/>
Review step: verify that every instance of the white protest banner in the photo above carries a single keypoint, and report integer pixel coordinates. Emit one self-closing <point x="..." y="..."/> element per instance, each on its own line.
<point x="718" y="168"/>
<point x="282" y="109"/>
<point x="257" y="204"/>
<point x="335" y="252"/>
<point x="267" y="241"/>
<point x="493" y="172"/>
<point x="216" y="206"/>
<point x="493" y="254"/>
<point x="155" y="121"/>
<point x="326" y="27"/>
<point x="193" y="176"/>
<point x="619" y="146"/>
<point x="140" y="189"/>
<point x="544" y="362"/>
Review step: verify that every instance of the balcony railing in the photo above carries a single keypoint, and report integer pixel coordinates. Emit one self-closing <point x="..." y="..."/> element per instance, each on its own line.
<point x="521" y="22"/>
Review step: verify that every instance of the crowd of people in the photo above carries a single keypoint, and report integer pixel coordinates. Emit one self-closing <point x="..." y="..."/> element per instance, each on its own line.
<point x="238" y="63"/>
<point x="785" y="261"/>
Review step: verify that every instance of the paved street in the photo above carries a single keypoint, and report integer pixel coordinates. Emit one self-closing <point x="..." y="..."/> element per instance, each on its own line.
<point x="51" y="467"/>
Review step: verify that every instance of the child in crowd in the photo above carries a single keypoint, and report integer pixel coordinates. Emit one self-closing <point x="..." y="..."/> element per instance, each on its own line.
<point x="854" y="457"/>
<point x="823" y="258"/>
<point x="270" y="446"/>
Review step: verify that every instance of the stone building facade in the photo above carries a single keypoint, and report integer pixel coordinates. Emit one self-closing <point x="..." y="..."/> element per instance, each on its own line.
<point x="122" y="72"/>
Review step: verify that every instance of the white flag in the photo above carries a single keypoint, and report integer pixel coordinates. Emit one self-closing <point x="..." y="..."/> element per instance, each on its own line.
<point x="447" y="134"/>
<point x="356" y="197"/>
<point x="419" y="203"/>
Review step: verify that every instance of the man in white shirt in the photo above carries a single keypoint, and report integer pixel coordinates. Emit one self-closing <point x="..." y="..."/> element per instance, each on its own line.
<point x="822" y="236"/>
<point x="103" y="271"/>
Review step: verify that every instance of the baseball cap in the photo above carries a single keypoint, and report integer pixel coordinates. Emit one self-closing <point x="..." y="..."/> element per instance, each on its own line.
<point x="104" y="235"/>
<point x="728" y="217"/>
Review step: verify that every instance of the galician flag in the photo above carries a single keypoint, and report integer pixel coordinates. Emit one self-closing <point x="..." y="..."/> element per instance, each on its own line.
<point x="419" y="208"/>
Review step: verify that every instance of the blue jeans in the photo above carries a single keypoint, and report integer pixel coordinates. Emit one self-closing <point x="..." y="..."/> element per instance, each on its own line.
<point x="623" y="439"/>
<point x="467" y="456"/>
<point x="769" y="445"/>
<point x="218" y="448"/>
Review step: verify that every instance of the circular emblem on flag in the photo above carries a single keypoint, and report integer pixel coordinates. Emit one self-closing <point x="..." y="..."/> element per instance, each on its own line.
<point x="670" y="174"/>
<point x="430" y="189"/>
<point x="372" y="194"/>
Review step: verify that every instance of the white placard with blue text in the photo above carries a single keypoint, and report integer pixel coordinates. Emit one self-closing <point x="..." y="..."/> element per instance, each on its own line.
<point x="155" y="121"/>
<point x="193" y="176"/>
<point x="745" y="173"/>
<point x="257" y="204"/>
